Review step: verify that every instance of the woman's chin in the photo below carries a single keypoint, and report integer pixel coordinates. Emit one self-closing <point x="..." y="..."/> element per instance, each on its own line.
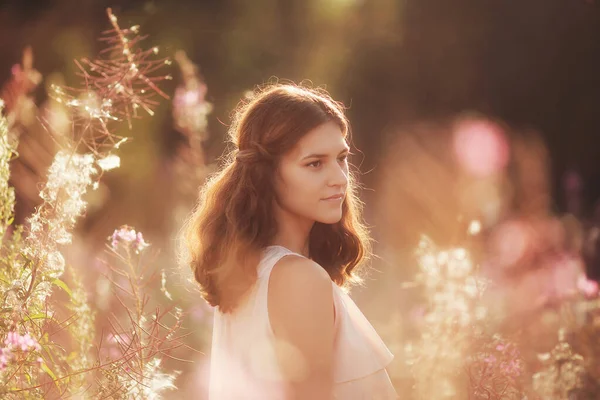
<point x="333" y="218"/>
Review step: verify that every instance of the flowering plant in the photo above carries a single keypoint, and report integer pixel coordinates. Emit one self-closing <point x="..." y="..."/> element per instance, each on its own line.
<point x="34" y="361"/>
<point x="471" y="347"/>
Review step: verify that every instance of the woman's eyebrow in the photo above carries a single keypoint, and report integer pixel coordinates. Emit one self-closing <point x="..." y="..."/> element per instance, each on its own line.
<point x="315" y="155"/>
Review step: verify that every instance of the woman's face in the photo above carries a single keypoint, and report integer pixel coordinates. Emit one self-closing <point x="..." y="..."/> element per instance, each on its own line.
<point x="312" y="178"/>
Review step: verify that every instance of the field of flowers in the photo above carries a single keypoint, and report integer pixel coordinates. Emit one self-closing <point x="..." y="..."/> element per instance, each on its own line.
<point x="500" y="308"/>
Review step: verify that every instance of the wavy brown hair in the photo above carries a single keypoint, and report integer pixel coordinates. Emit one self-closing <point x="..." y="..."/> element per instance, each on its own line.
<point x="234" y="220"/>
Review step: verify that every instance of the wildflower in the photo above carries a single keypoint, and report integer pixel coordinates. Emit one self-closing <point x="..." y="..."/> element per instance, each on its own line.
<point x="139" y="242"/>
<point x="587" y="287"/>
<point x="5" y="357"/>
<point x="190" y="108"/>
<point x="128" y="237"/>
<point x="123" y="234"/>
<point x="490" y="359"/>
<point x="109" y="162"/>
<point x="14" y="341"/>
<point x="69" y="177"/>
<point x="511" y="368"/>
<point x="452" y="289"/>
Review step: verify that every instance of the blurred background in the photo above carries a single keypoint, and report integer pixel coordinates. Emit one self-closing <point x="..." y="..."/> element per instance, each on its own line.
<point x="466" y="116"/>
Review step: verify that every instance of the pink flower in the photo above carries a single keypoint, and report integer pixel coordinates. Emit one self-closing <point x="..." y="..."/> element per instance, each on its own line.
<point x="587" y="287"/>
<point x="490" y="359"/>
<point x="5" y="355"/>
<point x="24" y="343"/>
<point x="29" y="343"/>
<point x="512" y="368"/>
<point x="123" y="234"/>
<point x="481" y="147"/>
<point x="140" y="243"/>
<point x="128" y="237"/>
<point x="190" y="97"/>
<point x="15" y="342"/>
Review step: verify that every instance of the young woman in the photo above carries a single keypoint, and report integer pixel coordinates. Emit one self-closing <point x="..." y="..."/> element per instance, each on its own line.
<point x="274" y="241"/>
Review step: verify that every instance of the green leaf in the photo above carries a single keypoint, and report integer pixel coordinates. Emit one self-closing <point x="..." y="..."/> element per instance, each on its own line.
<point x="49" y="372"/>
<point x="42" y="316"/>
<point x="63" y="286"/>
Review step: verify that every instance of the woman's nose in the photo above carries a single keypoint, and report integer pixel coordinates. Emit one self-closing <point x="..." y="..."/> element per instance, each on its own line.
<point x="339" y="176"/>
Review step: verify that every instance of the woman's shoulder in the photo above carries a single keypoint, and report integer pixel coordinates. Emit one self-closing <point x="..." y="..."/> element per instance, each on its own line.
<point x="295" y="271"/>
<point x="298" y="282"/>
<point x="300" y="300"/>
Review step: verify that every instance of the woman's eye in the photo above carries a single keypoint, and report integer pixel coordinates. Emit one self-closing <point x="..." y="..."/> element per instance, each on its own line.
<point x="314" y="164"/>
<point x="343" y="158"/>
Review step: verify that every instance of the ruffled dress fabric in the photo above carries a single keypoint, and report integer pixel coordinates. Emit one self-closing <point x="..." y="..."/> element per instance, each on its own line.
<point x="243" y="357"/>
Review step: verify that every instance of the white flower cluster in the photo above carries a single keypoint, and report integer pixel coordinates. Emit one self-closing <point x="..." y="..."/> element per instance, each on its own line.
<point x="69" y="177"/>
<point x="450" y="284"/>
<point x="452" y="290"/>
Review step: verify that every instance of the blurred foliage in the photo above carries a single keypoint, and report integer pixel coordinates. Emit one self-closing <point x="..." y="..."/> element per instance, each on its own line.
<point x="400" y="66"/>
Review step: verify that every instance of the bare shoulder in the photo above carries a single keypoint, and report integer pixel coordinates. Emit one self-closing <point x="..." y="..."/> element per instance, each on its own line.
<point x="300" y="292"/>
<point x="298" y="274"/>
<point x="301" y="314"/>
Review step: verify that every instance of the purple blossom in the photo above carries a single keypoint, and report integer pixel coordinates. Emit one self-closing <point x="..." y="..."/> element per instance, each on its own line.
<point x="490" y="359"/>
<point x="24" y="343"/>
<point x="128" y="237"/>
<point x="587" y="287"/>
<point x="5" y="357"/>
<point x="16" y="342"/>
<point x="511" y="368"/>
<point x="190" y="97"/>
<point x="504" y="358"/>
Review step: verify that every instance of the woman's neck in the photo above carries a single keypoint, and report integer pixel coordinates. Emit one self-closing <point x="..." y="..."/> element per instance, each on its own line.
<point x="292" y="232"/>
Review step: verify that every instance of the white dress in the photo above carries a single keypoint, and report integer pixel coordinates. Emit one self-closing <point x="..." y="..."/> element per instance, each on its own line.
<point x="243" y="363"/>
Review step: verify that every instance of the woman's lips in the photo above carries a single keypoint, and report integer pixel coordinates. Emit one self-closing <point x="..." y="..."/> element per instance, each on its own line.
<point x="336" y="197"/>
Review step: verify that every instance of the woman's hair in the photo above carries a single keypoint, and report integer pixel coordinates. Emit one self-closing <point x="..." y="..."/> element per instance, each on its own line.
<point x="234" y="219"/>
